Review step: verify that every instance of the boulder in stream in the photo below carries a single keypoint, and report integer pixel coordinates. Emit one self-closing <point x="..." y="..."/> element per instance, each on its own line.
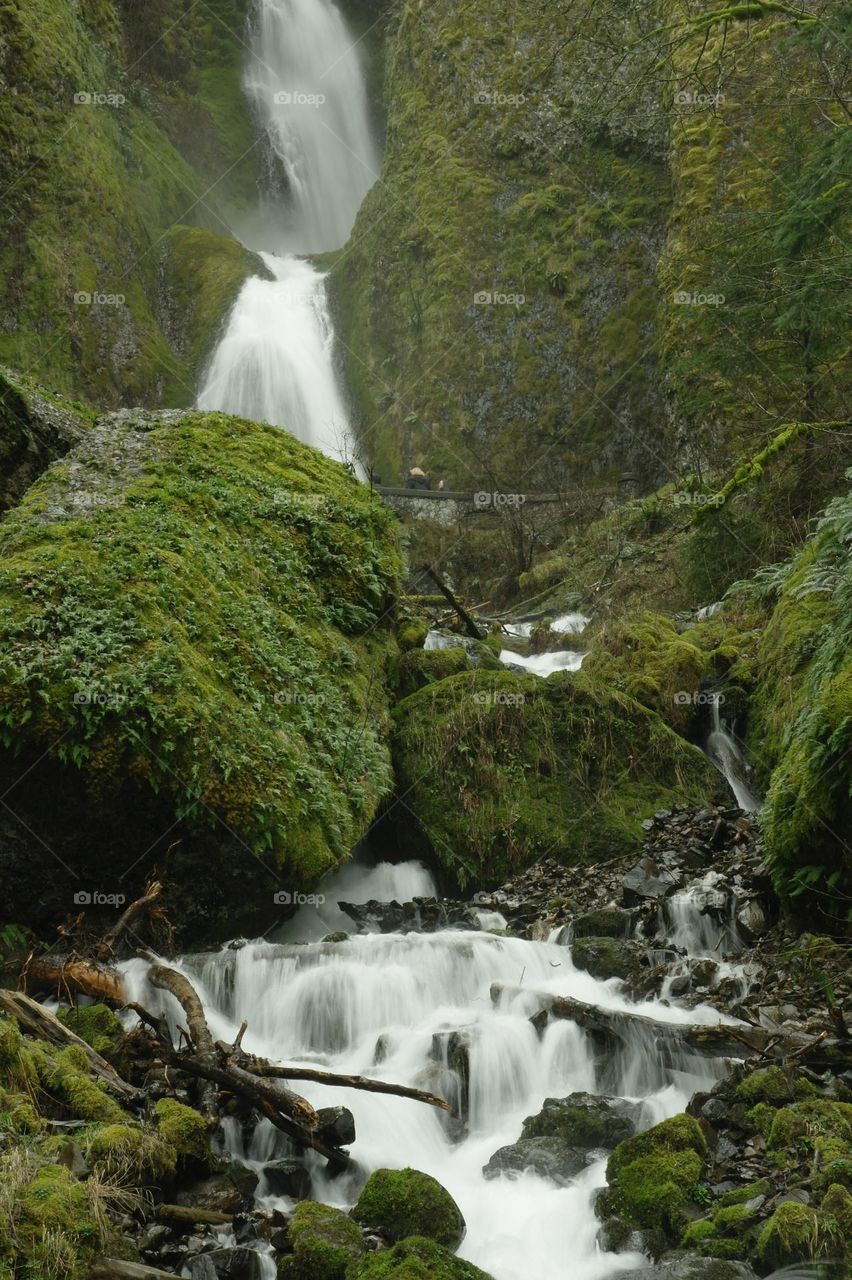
<point x="548" y="1157"/>
<point x="406" y="1202"/>
<point x="584" y="1121"/>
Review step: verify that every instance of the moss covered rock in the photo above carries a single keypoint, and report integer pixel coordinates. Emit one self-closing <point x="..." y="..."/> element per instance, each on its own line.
<point x="499" y="769"/>
<point x="647" y="658"/>
<point x="183" y="1129"/>
<point x="324" y="1241"/>
<point x="417" y="1258"/>
<point x="583" y="1120"/>
<point x="54" y="1227"/>
<point x="652" y="1176"/>
<point x="406" y="1202"/>
<point x="205" y="662"/>
<point x="96" y="1024"/>
<point x="130" y="1148"/>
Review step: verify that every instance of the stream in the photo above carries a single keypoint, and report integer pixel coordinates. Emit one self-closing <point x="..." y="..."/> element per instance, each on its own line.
<point x="392" y="1006"/>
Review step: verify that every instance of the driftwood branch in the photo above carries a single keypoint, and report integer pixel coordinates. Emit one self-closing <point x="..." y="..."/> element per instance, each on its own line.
<point x="467" y="621"/>
<point x="70" y="976"/>
<point x="118" y="1269"/>
<point x="259" y="1067"/>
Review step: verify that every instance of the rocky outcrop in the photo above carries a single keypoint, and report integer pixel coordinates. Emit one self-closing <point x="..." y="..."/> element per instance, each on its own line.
<point x="34" y="432"/>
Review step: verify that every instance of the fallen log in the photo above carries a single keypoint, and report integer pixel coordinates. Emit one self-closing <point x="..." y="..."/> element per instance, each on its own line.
<point x="68" y="976"/>
<point x="260" y="1067"/>
<point x="37" y="1021"/>
<point x="714" y="1040"/>
<point x="118" y="1269"/>
<point x="191" y="1215"/>
<point x="467" y="621"/>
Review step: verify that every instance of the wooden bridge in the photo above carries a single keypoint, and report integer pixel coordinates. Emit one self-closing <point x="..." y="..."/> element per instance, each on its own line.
<point x="451" y="506"/>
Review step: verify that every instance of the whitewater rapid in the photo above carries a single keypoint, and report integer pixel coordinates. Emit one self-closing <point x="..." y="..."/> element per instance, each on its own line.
<point x="276" y="361"/>
<point x="392" y="1006"/>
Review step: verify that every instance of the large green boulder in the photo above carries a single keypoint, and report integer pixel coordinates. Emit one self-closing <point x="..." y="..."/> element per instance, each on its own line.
<point x="500" y="769"/>
<point x="417" y="1258"/>
<point x="406" y="1202"/>
<point x="324" y="1242"/>
<point x="652" y="1176"/>
<point x="192" y="646"/>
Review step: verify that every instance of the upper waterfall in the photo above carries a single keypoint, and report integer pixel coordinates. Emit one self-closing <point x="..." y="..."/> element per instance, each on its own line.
<point x="275" y="362"/>
<point x="306" y="86"/>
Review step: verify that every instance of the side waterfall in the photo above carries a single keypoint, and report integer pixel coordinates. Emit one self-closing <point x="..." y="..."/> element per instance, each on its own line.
<point x="275" y="361"/>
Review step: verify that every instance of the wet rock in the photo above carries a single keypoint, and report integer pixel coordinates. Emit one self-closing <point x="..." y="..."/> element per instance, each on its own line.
<point x="551" y="1158"/>
<point x="374" y="917"/>
<point x="225" y="1191"/>
<point x="616" y="1235"/>
<point x="73" y="1159"/>
<point x="606" y="958"/>
<point x="227" y="1264"/>
<point x="584" y="1121"/>
<point x="336" y="1126"/>
<point x="609" y="922"/>
<point x="288" y="1178"/>
<point x="407" y="1202"/>
<point x="689" y="1266"/>
<point x="647" y="882"/>
<point x="751" y="920"/>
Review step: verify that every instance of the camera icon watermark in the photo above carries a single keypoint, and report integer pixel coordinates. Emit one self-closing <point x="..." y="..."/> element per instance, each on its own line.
<point x="686" y="98"/>
<point x="498" y="698"/>
<point x="686" y="499"/>
<point x="83" y="99"/>
<point x="298" y="98"/>
<point x="683" y="298"/>
<point x="95" y="898"/>
<point x="683" y="698"/>
<point x="483" y="500"/>
<point x="493" y="98"/>
<point x="86" y="299"/>
<point x="495" y="298"/>
<point x="293" y="898"/>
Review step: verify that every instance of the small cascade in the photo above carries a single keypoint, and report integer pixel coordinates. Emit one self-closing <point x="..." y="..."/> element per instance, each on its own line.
<point x="722" y="749"/>
<point x="701" y="921"/>
<point x="418" y="1009"/>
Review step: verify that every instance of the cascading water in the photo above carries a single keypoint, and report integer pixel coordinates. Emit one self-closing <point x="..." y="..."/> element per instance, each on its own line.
<point x="275" y="362"/>
<point x="390" y="1005"/>
<point x="723" y="751"/>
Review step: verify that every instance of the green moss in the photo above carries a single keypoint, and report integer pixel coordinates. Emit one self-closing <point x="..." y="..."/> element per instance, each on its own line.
<point x="221" y="635"/>
<point x="799" y="1126"/>
<point x="65" y="1074"/>
<point x="18" y="1071"/>
<point x="646" y="658"/>
<point x="128" y="1148"/>
<point x="324" y="1243"/>
<point x="748" y="1192"/>
<point x="790" y="1235"/>
<point x="412" y="635"/>
<point x="769" y="1085"/>
<point x="54" y="1228"/>
<point x="759" y="1118"/>
<point x="414" y="1259"/>
<point x="652" y="1176"/>
<point x="183" y="1129"/>
<point x="563" y="766"/>
<point x="406" y="1202"/>
<point x="94" y="1023"/>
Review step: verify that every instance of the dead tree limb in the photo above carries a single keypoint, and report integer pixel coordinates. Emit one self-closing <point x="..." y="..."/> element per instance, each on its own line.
<point x="139" y="910"/>
<point x="259" y="1067"/>
<point x="467" y="621"/>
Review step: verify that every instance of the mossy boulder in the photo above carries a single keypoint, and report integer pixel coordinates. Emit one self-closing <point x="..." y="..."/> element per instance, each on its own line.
<point x="183" y="1129"/>
<point x="66" y="1074"/>
<point x="500" y="769"/>
<point x="406" y="1202"/>
<point x="605" y="958"/>
<point x="790" y="1235"/>
<point x="583" y="1120"/>
<point x="201" y="668"/>
<point x="803" y="1125"/>
<point x="324" y="1243"/>
<point x="96" y="1024"/>
<point x="417" y="1258"/>
<point x="770" y="1085"/>
<point x="653" y="1175"/>
<point x="646" y="657"/>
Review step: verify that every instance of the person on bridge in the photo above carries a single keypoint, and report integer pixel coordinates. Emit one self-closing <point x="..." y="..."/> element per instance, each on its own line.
<point x="417" y="479"/>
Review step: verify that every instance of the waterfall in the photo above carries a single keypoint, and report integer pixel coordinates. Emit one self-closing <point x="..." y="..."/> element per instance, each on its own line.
<point x="723" y="751"/>
<point x="275" y="361"/>
<point x="400" y="1007"/>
